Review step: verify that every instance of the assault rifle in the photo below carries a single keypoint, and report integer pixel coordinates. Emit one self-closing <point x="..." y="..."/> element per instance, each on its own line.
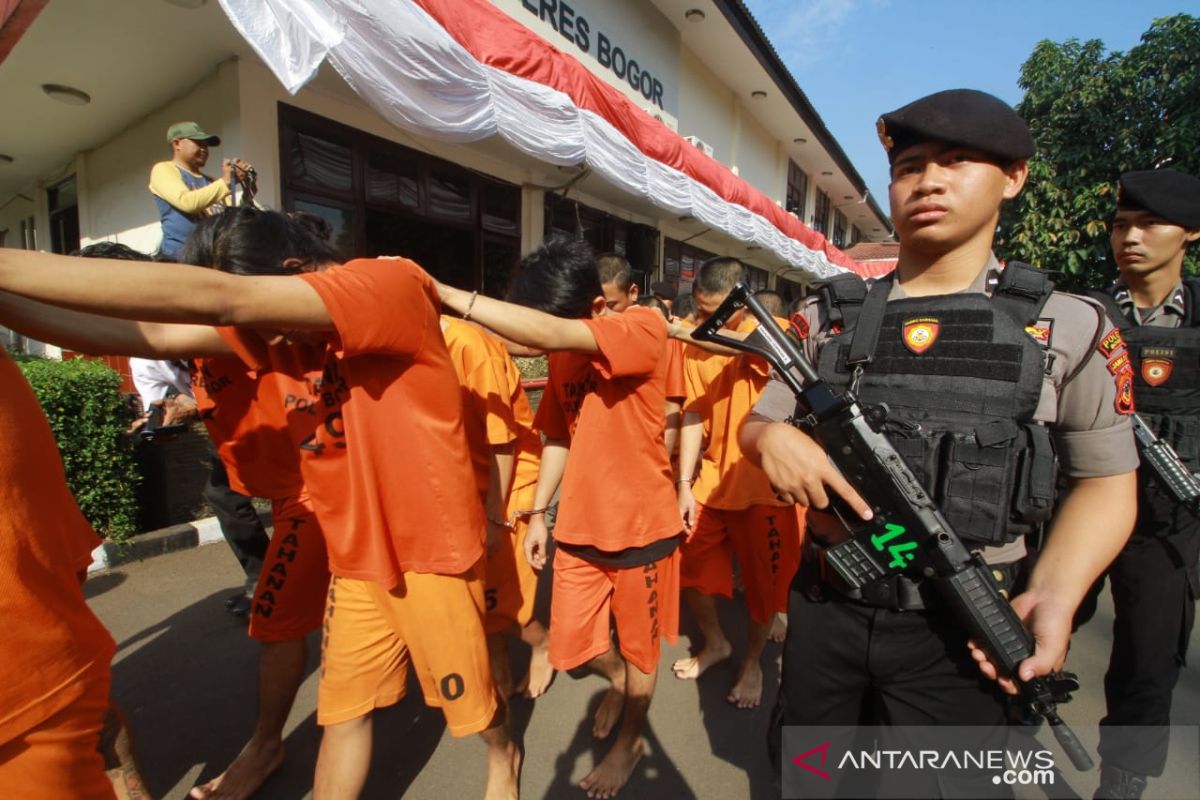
<point x="1167" y="466"/>
<point x="908" y="534"/>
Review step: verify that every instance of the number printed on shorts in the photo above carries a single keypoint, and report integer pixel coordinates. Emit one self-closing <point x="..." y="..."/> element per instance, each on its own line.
<point x="489" y="598"/>
<point x="453" y="686"/>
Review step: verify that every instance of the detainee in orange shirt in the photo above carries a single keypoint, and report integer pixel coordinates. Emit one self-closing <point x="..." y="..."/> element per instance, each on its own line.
<point x="728" y="504"/>
<point x="54" y="653"/>
<point x="621" y="292"/>
<point x="245" y="416"/>
<point x="506" y="452"/>
<point x="617" y="552"/>
<point x="387" y="467"/>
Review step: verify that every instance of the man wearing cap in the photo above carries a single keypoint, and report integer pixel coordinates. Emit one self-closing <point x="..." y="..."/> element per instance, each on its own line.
<point x="1154" y="581"/>
<point x="181" y="191"/>
<point x="986" y="373"/>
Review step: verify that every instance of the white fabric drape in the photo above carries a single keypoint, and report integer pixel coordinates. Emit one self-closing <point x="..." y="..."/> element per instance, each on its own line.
<point x="415" y="75"/>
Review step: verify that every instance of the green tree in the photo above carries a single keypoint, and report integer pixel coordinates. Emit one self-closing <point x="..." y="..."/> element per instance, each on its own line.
<point x="1094" y="115"/>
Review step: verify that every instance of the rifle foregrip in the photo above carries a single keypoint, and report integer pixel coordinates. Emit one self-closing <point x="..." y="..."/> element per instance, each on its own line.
<point x="989" y="617"/>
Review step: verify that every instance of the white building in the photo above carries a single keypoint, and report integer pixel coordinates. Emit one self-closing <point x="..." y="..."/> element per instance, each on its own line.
<point x="89" y="88"/>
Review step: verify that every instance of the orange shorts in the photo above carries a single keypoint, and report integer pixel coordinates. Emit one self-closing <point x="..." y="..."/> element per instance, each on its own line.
<point x="766" y="541"/>
<point x="60" y="758"/>
<point x="434" y="622"/>
<point x="511" y="581"/>
<point x="289" y="600"/>
<point x="643" y="601"/>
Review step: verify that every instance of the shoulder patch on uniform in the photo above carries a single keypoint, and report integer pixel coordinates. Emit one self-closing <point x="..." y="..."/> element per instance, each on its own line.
<point x="920" y="333"/>
<point x="1111" y="343"/>
<point x="1120" y="364"/>
<point x="799" y="325"/>
<point x="1041" y="331"/>
<point x="1123" y="401"/>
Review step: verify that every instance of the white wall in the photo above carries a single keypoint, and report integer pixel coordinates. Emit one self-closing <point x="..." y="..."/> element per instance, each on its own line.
<point x="635" y="26"/>
<point x="115" y="203"/>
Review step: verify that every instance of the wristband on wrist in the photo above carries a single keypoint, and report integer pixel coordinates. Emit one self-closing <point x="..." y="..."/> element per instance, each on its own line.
<point x="470" y="305"/>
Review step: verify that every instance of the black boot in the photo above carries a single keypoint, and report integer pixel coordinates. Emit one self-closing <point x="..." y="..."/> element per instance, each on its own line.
<point x="1119" y="784"/>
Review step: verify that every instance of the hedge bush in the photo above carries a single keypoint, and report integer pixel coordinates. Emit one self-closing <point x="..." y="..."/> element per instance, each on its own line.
<point x="82" y="401"/>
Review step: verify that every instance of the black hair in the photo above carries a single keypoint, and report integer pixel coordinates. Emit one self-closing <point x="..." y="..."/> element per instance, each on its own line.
<point x="116" y="250"/>
<point x="614" y="269"/>
<point x="559" y="277"/>
<point x="718" y="275"/>
<point x="772" y="300"/>
<point x="650" y="301"/>
<point x="249" y="241"/>
<point x="685" y="303"/>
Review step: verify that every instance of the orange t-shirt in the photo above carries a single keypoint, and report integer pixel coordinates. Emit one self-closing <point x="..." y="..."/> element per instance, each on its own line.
<point x="676" y="388"/>
<point x="241" y="410"/>
<point x="495" y="409"/>
<point x="49" y="638"/>
<point x="616" y="491"/>
<point x="396" y="502"/>
<point x="723" y="390"/>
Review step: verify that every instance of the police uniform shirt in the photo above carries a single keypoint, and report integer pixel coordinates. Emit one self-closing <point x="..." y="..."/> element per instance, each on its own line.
<point x="1169" y="315"/>
<point x="1079" y="398"/>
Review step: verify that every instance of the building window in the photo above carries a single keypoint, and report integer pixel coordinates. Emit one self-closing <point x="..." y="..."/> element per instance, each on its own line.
<point x="382" y="198"/>
<point x="855" y="235"/>
<point x="680" y="262"/>
<point x="839" y="228"/>
<point x="63" y="202"/>
<point x="797" y="190"/>
<point x="821" y="213"/>
<point x="606" y="234"/>
<point x="756" y="278"/>
<point x="28" y="234"/>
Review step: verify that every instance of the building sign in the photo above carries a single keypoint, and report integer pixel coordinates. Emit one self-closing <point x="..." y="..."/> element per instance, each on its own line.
<point x="604" y="47"/>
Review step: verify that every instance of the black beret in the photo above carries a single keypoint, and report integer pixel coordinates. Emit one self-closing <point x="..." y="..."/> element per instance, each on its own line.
<point x="663" y="289"/>
<point x="958" y="116"/>
<point x="1171" y="195"/>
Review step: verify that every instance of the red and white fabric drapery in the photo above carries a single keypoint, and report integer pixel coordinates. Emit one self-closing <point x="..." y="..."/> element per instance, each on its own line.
<point x="463" y="70"/>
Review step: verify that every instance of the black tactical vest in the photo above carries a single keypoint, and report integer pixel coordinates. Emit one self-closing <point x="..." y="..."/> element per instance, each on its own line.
<point x="1166" y="373"/>
<point x="961" y="377"/>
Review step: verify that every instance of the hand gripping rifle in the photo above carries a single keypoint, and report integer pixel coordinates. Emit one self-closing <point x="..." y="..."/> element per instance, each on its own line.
<point x="908" y="534"/>
<point x="1167" y="466"/>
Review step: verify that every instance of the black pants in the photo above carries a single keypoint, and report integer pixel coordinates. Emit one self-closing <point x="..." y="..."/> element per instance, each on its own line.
<point x="1153" y="583"/>
<point x="848" y="664"/>
<point x="239" y="522"/>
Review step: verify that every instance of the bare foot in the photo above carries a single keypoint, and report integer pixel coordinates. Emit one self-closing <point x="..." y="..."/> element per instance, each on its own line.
<point x="540" y="675"/>
<point x="611" y="774"/>
<point x="504" y="770"/>
<point x="252" y="766"/>
<point x="778" y="628"/>
<point x="608" y="713"/>
<point x="747" y="691"/>
<point x="693" y="667"/>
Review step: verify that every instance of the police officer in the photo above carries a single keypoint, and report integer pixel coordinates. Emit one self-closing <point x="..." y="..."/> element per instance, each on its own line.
<point x="1153" y="579"/>
<point x="987" y="373"/>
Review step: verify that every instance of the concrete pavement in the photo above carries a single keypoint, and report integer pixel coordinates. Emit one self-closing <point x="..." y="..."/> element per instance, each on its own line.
<point x="185" y="673"/>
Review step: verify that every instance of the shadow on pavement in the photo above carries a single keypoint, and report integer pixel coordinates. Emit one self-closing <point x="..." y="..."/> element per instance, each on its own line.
<point x="736" y="736"/>
<point x="99" y="584"/>
<point x="654" y="776"/>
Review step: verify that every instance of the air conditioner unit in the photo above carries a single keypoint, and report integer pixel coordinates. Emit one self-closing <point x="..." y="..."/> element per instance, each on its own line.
<point x="700" y="144"/>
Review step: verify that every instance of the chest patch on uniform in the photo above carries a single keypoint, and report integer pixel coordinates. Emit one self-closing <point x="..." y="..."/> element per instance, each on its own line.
<point x="920" y="333"/>
<point x="1156" y="371"/>
<point x="1111" y="343"/>
<point x="1040" y="331"/>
